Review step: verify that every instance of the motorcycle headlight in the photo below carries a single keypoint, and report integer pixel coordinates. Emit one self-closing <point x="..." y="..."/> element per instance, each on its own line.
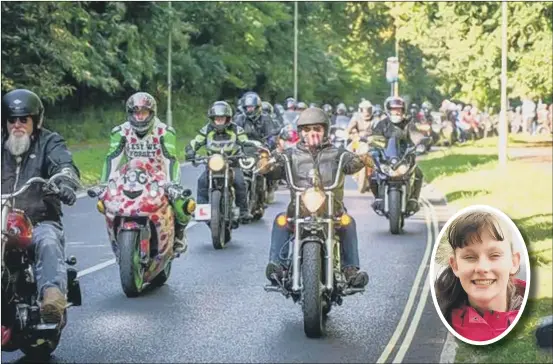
<point x="313" y="199"/>
<point x="402" y="169"/>
<point x="420" y="148"/>
<point x="154" y="189"/>
<point x="216" y="163"/>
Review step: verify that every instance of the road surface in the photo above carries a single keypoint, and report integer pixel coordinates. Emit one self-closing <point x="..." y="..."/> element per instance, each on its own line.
<point x="214" y="309"/>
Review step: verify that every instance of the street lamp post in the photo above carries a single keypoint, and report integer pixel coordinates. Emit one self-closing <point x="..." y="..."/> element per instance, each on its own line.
<point x="295" y="50"/>
<point x="169" y="113"/>
<point x="502" y="145"/>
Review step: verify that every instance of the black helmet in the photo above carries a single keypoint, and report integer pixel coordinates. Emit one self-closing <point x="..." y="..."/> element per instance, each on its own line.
<point x="137" y="101"/>
<point x="22" y="102"/>
<point x="220" y="108"/>
<point x="252" y="99"/>
<point x="279" y="109"/>
<point x="394" y="102"/>
<point x="267" y="108"/>
<point x="314" y="116"/>
<point x="377" y="110"/>
<point x="341" y="109"/>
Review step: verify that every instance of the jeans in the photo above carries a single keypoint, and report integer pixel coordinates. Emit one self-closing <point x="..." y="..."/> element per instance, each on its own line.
<point x="348" y="238"/>
<point x="48" y="246"/>
<point x="239" y="188"/>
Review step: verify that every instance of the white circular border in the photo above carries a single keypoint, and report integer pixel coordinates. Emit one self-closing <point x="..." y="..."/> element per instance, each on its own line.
<point x="432" y="272"/>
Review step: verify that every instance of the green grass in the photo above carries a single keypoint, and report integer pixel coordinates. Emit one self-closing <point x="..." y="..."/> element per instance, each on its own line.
<point x="469" y="175"/>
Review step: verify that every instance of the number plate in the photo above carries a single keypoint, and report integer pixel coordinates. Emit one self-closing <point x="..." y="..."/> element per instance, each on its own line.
<point x="203" y="212"/>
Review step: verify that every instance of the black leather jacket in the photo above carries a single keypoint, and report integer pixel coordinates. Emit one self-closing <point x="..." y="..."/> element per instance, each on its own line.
<point x="46" y="156"/>
<point x="327" y="157"/>
<point x="260" y="129"/>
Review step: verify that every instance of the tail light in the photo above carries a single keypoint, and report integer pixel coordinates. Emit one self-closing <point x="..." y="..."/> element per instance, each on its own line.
<point x="20" y="230"/>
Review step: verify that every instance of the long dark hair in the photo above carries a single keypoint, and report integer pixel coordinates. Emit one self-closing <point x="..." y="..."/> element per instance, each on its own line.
<point x="465" y="230"/>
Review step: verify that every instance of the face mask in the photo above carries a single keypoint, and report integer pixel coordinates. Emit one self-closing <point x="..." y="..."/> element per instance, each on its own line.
<point x="395" y="119"/>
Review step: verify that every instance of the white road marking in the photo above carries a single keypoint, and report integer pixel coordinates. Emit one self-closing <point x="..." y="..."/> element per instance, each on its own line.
<point x="107" y="263"/>
<point x="410" y="301"/>
<point x="424" y="295"/>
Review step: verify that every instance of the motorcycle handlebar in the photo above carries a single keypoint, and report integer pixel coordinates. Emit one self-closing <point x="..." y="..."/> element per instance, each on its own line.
<point x="49" y="182"/>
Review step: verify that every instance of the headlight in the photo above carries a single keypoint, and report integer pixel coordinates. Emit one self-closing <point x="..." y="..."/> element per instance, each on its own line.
<point x="313" y="199"/>
<point x="154" y="189"/>
<point x="420" y="148"/>
<point x="402" y="169"/>
<point x="399" y="171"/>
<point x="216" y="163"/>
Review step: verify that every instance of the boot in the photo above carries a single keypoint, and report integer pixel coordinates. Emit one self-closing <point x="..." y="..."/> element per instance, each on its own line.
<point x="356" y="278"/>
<point x="413" y="206"/>
<point x="245" y="216"/>
<point x="53" y="305"/>
<point x="180" y="245"/>
<point x="276" y="269"/>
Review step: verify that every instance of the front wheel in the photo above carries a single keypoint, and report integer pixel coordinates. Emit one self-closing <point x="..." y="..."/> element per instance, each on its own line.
<point x="311" y="269"/>
<point x="130" y="268"/>
<point x="217" y="221"/>
<point x="395" y="215"/>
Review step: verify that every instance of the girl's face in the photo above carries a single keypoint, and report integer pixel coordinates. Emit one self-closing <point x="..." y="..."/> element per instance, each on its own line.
<point x="484" y="270"/>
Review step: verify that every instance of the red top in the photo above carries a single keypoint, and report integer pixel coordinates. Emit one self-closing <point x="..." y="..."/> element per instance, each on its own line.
<point x="467" y="322"/>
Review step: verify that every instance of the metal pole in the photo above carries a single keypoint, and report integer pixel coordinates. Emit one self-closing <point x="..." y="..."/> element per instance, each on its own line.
<point x="502" y="157"/>
<point x="169" y="56"/>
<point x="395" y="89"/>
<point x="295" y="50"/>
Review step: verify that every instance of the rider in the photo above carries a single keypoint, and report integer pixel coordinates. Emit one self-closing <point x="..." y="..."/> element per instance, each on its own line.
<point x="219" y="133"/>
<point x="29" y="150"/>
<point x="143" y="136"/>
<point x="399" y="125"/>
<point x="362" y="121"/>
<point x="314" y="144"/>
<point x="255" y="123"/>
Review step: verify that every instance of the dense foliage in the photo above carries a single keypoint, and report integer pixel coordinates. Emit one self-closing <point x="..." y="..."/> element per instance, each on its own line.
<point x="79" y="54"/>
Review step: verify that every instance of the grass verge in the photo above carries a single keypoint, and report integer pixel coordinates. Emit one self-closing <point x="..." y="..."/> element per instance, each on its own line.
<point x="469" y="175"/>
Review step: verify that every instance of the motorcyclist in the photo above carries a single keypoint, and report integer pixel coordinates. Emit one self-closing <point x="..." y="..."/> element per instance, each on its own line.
<point x="301" y="106"/>
<point x="240" y="112"/>
<point x="399" y="125"/>
<point x="342" y="120"/>
<point x="377" y="113"/>
<point x="219" y="133"/>
<point x="143" y="136"/>
<point x="426" y="109"/>
<point x="30" y="150"/>
<point x="257" y="125"/>
<point x="268" y="110"/>
<point x="361" y="123"/>
<point x="290" y="116"/>
<point x="314" y="144"/>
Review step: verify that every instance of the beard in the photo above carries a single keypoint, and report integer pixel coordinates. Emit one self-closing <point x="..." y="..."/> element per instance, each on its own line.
<point x="18" y="145"/>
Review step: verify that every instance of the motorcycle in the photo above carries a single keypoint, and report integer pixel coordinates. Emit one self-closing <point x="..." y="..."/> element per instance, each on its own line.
<point x="394" y="174"/>
<point x="220" y="213"/>
<point x="428" y="130"/>
<point x="361" y="178"/>
<point x="22" y="326"/>
<point x="313" y="275"/>
<point x="140" y="224"/>
<point x="257" y="187"/>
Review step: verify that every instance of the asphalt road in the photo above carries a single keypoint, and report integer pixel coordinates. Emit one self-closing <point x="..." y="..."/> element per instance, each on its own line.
<point x="214" y="309"/>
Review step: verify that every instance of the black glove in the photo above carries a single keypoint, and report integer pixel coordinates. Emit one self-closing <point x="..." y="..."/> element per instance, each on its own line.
<point x="67" y="194"/>
<point x="190" y="155"/>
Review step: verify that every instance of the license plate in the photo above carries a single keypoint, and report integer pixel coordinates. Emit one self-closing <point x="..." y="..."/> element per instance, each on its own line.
<point x="203" y="212"/>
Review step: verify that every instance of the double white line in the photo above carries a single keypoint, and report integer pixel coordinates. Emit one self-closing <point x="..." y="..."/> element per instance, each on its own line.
<point x="432" y="233"/>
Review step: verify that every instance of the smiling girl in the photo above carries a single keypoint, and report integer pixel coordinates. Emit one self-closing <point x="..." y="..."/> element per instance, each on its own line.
<point x="478" y="293"/>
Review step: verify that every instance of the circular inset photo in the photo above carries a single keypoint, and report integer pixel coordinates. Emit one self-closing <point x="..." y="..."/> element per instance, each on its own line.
<point x="480" y="275"/>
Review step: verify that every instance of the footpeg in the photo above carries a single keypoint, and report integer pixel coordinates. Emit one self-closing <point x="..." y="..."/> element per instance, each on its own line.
<point x="271" y="288"/>
<point x="350" y="291"/>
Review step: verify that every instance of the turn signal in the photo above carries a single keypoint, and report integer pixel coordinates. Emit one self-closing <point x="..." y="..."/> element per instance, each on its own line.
<point x="100" y="207"/>
<point x="190" y="206"/>
<point x="282" y="220"/>
<point x="345" y="220"/>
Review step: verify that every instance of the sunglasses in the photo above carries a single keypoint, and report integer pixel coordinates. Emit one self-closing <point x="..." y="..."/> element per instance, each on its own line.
<point x="316" y="129"/>
<point x="21" y="119"/>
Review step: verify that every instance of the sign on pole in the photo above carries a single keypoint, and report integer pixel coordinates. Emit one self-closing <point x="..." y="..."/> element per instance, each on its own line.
<point x="392" y="69"/>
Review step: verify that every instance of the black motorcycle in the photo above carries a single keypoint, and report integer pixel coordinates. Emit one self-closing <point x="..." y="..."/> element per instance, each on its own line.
<point x="257" y="188"/>
<point x="394" y="174"/>
<point x="220" y="213"/>
<point x="313" y="275"/>
<point x="22" y="326"/>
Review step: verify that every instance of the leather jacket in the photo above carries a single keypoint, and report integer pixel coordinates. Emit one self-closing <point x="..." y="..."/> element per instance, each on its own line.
<point x="362" y="127"/>
<point x="260" y="129"/>
<point x="46" y="156"/>
<point x="302" y="161"/>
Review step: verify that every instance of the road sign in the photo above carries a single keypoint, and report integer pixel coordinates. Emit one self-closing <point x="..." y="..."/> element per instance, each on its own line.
<point x="392" y="69"/>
